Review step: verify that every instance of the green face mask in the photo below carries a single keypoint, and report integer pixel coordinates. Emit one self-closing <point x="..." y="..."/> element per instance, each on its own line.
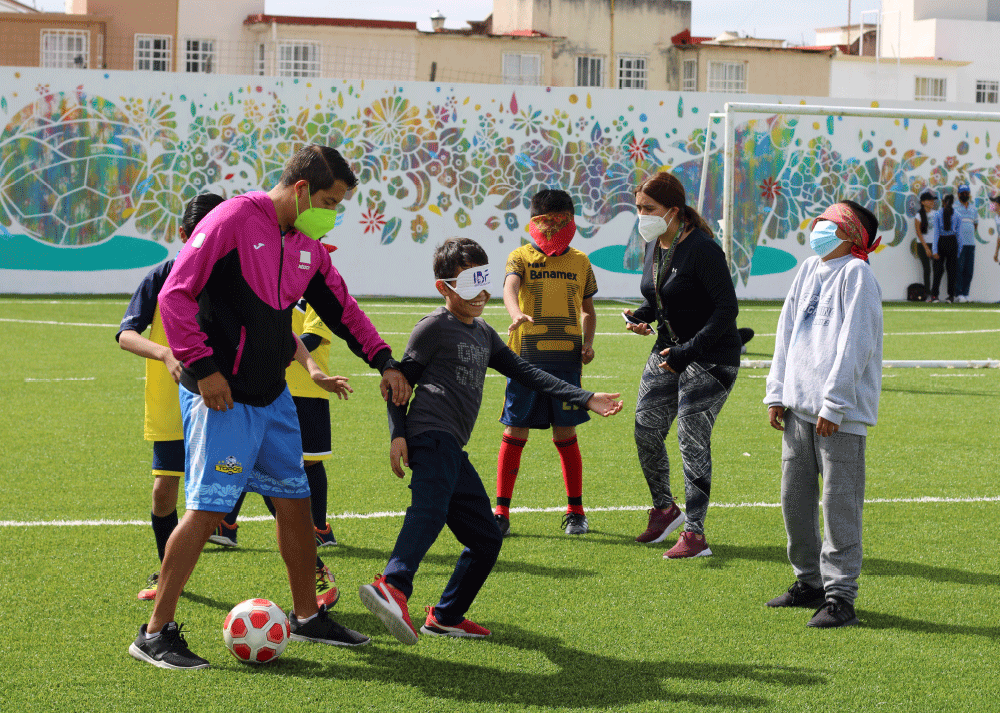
<point x="314" y="222"/>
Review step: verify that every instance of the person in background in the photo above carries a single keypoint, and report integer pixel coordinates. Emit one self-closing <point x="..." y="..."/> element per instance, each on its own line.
<point x="921" y="246"/>
<point x="968" y="223"/>
<point x="945" y="247"/>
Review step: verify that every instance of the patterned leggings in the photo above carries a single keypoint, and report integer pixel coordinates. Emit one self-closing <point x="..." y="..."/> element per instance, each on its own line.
<point x="694" y="397"/>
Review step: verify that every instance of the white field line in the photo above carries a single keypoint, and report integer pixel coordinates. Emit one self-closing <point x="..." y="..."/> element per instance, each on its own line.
<point x="560" y="508"/>
<point x="59" y="324"/>
<point x="67" y="378"/>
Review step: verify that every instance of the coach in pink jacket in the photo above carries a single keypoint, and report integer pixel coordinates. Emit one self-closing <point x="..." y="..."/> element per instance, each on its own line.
<point x="226" y="310"/>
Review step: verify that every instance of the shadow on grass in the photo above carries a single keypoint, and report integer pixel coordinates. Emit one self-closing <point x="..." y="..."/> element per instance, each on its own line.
<point x="583" y="680"/>
<point x="878" y="620"/>
<point x="504" y="564"/>
<point x="884" y="567"/>
<point x="940" y="392"/>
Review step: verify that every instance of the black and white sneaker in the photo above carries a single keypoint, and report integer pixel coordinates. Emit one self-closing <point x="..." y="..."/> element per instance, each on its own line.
<point x="576" y="523"/>
<point x="321" y="629"/>
<point x="167" y="650"/>
<point x="834" y="612"/>
<point x="800" y="594"/>
<point x="503" y="523"/>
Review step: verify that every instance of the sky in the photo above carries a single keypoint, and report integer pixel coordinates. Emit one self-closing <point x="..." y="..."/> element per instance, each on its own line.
<point x="791" y="20"/>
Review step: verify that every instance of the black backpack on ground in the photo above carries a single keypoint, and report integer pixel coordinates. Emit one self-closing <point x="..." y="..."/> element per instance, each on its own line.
<point x="916" y="292"/>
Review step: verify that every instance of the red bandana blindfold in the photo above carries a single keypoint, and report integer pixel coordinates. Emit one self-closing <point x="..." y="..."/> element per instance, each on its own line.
<point x="845" y="219"/>
<point x="552" y="232"/>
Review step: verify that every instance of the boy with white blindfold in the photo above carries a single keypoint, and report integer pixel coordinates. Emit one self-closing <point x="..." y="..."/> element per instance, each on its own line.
<point x="548" y="291"/>
<point x="446" y="360"/>
<point x="823" y="393"/>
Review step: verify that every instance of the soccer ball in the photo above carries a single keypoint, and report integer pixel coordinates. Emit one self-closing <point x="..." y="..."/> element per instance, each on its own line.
<point x="256" y="631"/>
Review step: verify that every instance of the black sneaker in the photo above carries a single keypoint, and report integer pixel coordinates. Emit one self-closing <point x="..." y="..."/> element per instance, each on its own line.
<point x="800" y="595"/>
<point x="833" y="613"/>
<point x="168" y="650"/>
<point x="504" y="524"/>
<point x="321" y="629"/>
<point x="575" y="523"/>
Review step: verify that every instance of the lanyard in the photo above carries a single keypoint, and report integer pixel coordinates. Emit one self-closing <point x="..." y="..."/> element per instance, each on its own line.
<point x="660" y="275"/>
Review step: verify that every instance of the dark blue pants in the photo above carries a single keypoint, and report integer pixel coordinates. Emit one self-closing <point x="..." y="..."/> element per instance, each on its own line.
<point x="446" y="490"/>
<point x="966" y="263"/>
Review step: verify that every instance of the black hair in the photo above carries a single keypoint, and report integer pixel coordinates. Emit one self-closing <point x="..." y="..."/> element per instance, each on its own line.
<point x="551" y="200"/>
<point x="196" y="209"/>
<point x="867" y="218"/>
<point x="925" y="196"/>
<point x="320" y="166"/>
<point x="947" y="208"/>
<point x="457" y="254"/>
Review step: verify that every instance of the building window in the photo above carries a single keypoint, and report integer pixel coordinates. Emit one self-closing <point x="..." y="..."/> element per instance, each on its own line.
<point x="727" y="77"/>
<point x="590" y="72"/>
<point x="689" y="79"/>
<point x="298" y="59"/>
<point x="65" y="48"/>
<point x="199" y="56"/>
<point x="930" y="89"/>
<point x="987" y="92"/>
<point x="153" y="53"/>
<point x="522" y="69"/>
<point x="631" y="72"/>
<point x="260" y="59"/>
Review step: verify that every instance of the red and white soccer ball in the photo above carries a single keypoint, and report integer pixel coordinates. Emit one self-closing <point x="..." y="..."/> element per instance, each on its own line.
<point x="256" y="631"/>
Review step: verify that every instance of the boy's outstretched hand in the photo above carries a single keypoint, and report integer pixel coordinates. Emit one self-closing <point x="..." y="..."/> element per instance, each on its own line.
<point x="399" y="452"/>
<point x="604" y="404"/>
<point x="334" y="384"/>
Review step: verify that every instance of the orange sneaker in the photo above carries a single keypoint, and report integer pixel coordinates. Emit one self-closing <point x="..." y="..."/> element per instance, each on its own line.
<point x="389" y="604"/>
<point x="465" y="629"/>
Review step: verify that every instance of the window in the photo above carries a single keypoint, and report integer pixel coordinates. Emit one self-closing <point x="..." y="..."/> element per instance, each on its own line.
<point x="298" y="59"/>
<point x="199" y="56"/>
<point x="153" y="52"/>
<point x="590" y="72"/>
<point x="689" y="77"/>
<point x="987" y="92"/>
<point x="631" y="72"/>
<point x="522" y="69"/>
<point x="930" y="89"/>
<point x="65" y="48"/>
<point x="260" y="60"/>
<point x="727" y="77"/>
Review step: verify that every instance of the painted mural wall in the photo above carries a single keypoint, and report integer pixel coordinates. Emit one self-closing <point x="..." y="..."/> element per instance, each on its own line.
<point x="95" y="168"/>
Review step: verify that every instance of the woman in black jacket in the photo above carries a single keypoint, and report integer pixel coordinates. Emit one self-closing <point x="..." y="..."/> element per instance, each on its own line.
<point x="689" y="292"/>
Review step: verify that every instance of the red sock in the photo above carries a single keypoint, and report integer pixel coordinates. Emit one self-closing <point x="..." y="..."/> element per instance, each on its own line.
<point x="508" y="464"/>
<point x="572" y="468"/>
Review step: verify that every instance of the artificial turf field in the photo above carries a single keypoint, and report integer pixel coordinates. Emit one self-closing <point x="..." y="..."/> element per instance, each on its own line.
<point x="589" y="623"/>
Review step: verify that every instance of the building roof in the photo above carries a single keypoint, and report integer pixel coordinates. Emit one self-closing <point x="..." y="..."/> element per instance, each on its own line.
<point x="14" y="6"/>
<point x="684" y="37"/>
<point x="262" y="19"/>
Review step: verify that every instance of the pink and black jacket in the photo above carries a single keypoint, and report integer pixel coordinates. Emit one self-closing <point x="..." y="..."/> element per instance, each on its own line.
<point x="227" y="304"/>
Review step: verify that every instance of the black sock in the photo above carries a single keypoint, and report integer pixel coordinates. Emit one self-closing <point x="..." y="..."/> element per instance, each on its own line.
<point x="230" y="519"/>
<point x="316" y="474"/>
<point x="270" y="507"/>
<point x="162" y="529"/>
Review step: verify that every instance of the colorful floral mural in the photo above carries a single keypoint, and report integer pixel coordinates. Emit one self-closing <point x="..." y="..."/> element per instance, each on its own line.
<point x="117" y="156"/>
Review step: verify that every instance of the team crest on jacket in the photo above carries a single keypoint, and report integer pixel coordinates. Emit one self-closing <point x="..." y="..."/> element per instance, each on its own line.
<point x="229" y="465"/>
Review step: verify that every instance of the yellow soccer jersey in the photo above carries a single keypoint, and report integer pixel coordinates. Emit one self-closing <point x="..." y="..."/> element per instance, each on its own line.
<point x="162" y="421"/>
<point x="552" y="293"/>
<point x="306" y="321"/>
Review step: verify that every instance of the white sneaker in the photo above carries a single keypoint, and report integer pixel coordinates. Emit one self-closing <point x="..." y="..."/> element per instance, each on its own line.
<point x="961" y="298"/>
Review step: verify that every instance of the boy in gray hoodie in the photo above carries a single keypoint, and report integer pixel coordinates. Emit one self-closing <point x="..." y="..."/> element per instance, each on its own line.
<point x="822" y="393"/>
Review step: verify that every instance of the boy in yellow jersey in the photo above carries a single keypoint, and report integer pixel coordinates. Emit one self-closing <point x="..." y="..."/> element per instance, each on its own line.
<point x="162" y="423"/>
<point x="548" y="292"/>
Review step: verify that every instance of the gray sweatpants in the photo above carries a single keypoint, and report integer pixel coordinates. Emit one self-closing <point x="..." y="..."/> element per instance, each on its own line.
<point x="833" y="562"/>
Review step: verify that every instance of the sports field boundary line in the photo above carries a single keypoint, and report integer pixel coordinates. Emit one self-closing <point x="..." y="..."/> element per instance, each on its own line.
<point x="928" y="499"/>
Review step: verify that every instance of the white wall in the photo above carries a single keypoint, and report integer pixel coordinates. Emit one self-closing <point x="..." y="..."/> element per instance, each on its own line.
<point x="861" y="77"/>
<point x="222" y="21"/>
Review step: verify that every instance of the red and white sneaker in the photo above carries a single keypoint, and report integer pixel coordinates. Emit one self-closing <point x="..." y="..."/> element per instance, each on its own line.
<point x="465" y="629"/>
<point x="389" y="604"/>
<point x="327" y="593"/>
<point x="662" y="523"/>
<point x="690" y="544"/>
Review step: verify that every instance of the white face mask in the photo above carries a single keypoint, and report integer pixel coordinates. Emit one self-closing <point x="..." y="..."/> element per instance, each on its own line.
<point x="653" y="226"/>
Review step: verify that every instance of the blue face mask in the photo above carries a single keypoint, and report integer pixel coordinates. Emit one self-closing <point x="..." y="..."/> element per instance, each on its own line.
<point x="823" y="238"/>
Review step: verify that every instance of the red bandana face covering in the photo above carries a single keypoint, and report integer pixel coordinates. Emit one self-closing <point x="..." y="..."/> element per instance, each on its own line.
<point x="552" y="232"/>
<point x="845" y="219"/>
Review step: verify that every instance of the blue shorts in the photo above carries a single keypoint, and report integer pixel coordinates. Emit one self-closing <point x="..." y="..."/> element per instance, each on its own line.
<point x="256" y="448"/>
<point x="168" y="458"/>
<point x="526" y="408"/>
<point x="314" y="423"/>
